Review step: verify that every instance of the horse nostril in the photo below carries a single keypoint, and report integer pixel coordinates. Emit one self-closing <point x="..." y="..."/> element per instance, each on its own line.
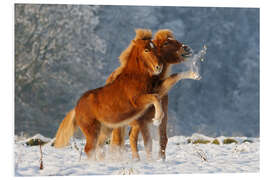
<point x="159" y="67"/>
<point x="186" y="48"/>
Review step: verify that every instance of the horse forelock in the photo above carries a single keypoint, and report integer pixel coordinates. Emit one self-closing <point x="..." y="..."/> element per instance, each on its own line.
<point x="138" y="61"/>
<point x="143" y="34"/>
<point x="162" y="35"/>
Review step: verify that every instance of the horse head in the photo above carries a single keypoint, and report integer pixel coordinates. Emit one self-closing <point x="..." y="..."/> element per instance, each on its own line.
<point x="143" y="54"/>
<point x="169" y="49"/>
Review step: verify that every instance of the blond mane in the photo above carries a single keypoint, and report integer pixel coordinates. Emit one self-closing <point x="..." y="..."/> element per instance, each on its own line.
<point x="141" y="34"/>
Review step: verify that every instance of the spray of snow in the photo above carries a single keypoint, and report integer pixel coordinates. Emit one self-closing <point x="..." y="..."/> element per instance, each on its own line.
<point x="193" y="63"/>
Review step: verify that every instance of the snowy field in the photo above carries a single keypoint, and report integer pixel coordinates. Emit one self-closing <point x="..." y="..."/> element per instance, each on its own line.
<point x="182" y="158"/>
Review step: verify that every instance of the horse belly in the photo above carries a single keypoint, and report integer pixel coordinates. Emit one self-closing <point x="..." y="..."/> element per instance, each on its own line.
<point x="114" y="107"/>
<point x="118" y="112"/>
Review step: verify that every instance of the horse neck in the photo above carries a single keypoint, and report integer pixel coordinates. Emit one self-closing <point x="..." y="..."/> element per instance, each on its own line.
<point x="133" y="66"/>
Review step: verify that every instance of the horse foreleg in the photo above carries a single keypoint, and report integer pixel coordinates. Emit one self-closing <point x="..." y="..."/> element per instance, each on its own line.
<point x="147" y="140"/>
<point x="169" y="82"/>
<point x="104" y="133"/>
<point x="148" y="99"/>
<point x="118" y="138"/>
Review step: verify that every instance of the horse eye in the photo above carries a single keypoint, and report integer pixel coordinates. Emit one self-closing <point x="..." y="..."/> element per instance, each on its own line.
<point x="146" y="50"/>
<point x="166" y="43"/>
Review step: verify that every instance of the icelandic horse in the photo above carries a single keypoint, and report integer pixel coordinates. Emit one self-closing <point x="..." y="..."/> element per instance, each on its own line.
<point x="116" y="104"/>
<point x="170" y="51"/>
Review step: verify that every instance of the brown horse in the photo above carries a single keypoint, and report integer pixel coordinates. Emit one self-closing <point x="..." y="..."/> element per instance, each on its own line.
<point x="170" y="51"/>
<point x="120" y="102"/>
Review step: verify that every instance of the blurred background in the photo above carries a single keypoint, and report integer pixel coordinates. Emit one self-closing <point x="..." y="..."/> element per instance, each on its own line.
<point x="62" y="51"/>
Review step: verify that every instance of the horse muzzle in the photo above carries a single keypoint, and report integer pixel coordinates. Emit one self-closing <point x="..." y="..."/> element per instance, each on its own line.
<point x="187" y="51"/>
<point x="158" y="69"/>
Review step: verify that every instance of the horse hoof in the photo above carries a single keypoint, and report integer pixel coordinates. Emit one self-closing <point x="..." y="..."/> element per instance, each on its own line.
<point x="198" y="77"/>
<point x="161" y="160"/>
<point x="156" y="122"/>
<point x="149" y="158"/>
<point x="160" y="116"/>
<point x="161" y="157"/>
<point x="136" y="159"/>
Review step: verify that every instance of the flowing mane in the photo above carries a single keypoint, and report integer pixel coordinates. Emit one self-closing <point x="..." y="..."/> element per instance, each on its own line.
<point x="141" y="34"/>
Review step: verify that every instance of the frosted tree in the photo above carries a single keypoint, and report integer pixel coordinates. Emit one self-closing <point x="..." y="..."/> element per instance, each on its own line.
<point x="49" y="39"/>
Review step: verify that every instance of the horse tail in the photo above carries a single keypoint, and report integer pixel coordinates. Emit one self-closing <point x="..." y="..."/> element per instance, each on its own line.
<point x="66" y="129"/>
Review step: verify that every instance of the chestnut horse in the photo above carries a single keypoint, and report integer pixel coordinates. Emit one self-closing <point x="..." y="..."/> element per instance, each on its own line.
<point x="170" y="51"/>
<point x="120" y="102"/>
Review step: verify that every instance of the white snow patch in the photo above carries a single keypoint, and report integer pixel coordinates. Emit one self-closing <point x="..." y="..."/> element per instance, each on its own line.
<point x="182" y="157"/>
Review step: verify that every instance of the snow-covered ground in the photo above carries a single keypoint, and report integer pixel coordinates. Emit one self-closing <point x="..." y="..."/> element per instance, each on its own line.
<point x="182" y="157"/>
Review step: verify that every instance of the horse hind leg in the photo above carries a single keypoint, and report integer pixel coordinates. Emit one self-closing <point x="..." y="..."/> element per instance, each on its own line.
<point x="91" y="132"/>
<point x="133" y="139"/>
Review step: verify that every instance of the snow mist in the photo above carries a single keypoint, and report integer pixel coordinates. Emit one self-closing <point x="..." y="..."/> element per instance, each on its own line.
<point x="193" y="63"/>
